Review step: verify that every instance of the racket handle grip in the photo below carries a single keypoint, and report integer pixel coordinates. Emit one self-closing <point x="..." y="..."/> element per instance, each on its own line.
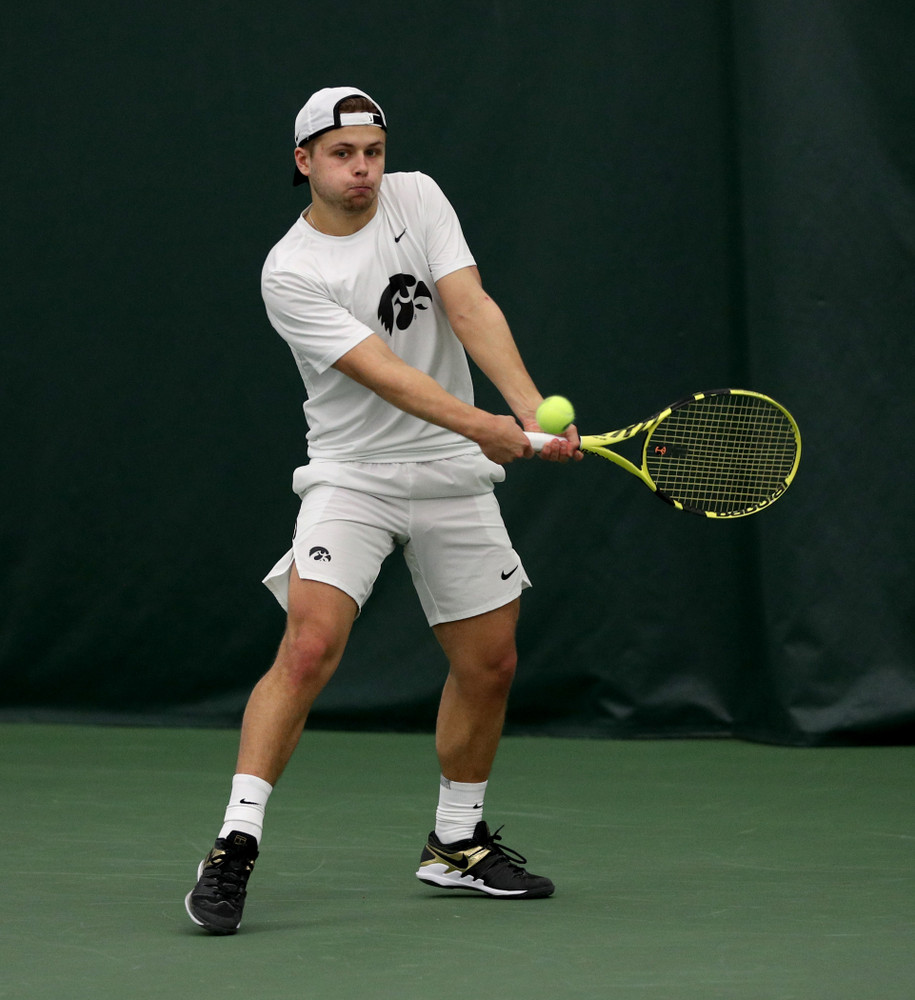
<point x="538" y="440"/>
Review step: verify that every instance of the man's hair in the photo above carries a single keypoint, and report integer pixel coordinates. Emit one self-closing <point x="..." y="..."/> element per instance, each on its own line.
<point x="359" y="103"/>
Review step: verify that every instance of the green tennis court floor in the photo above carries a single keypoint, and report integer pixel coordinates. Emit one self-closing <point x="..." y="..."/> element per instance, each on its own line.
<point x="706" y="869"/>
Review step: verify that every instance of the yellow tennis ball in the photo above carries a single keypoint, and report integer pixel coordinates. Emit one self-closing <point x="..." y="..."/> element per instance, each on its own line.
<point x="555" y="414"/>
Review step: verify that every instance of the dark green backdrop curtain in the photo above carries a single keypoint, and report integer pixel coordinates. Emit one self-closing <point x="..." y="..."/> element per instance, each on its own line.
<point x="662" y="197"/>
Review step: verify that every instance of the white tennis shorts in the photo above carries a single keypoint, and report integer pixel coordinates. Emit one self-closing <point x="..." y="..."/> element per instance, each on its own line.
<point x="456" y="547"/>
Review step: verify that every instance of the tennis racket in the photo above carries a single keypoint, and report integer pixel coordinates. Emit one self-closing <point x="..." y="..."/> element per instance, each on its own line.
<point x="723" y="453"/>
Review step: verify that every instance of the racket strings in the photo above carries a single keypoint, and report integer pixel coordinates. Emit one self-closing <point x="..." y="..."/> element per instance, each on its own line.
<point x="722" y="453"/>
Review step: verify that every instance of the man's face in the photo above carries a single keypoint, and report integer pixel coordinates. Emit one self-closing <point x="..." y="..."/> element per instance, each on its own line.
<point x="345" y="166"/>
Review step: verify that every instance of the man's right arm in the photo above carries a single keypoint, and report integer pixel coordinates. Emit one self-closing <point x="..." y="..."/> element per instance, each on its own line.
<point x="374" y="365"/>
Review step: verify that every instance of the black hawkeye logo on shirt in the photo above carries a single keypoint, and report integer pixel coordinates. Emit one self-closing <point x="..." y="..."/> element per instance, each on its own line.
<point x="401" y="300"/>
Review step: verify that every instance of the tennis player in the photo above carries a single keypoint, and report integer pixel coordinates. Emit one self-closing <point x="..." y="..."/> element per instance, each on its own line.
<point x="377" y="295"/>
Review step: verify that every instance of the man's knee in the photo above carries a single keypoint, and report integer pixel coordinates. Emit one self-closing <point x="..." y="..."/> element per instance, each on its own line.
<point x="492" y="671"/>
<point x="307" y="659"/>
<point x="317" y="628"/>
<point x="504" y="666"/>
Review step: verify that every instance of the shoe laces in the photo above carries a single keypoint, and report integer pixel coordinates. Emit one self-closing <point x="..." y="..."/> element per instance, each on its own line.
<point x="512" y="857"/>
<point x="227" y="872"/>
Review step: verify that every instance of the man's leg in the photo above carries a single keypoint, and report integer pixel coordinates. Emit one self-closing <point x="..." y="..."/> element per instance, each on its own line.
<point x="318" y="624"/>
<point x="317" y="628"/>
<point x="482" y="657"/>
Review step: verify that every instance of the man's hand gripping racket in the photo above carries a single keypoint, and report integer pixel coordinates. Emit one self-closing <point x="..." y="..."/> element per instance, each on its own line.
<point x="723" y="453"/>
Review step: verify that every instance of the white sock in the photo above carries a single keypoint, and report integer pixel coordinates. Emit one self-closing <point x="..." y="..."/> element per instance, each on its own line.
<point x="460" y="808"/>
<point x="247" y="804"/>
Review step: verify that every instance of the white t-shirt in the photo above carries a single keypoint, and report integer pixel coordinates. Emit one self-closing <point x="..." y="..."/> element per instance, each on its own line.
<point x="326" y="294"/>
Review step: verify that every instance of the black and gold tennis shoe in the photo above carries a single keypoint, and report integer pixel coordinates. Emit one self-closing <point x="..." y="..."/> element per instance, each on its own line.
<point x="217" y="900"/>
<point x="482" y="865"/>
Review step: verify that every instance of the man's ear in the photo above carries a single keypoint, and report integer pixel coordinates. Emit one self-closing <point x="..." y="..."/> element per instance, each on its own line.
<point x="303" y="160"/>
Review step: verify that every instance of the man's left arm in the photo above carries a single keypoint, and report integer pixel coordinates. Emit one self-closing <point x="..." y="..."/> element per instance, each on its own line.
<point x="483" y="330"/>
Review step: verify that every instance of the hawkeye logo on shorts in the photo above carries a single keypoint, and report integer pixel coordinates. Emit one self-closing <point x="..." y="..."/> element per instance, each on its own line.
<point x="319" y="554"/>
<point x="402" y="299"/>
